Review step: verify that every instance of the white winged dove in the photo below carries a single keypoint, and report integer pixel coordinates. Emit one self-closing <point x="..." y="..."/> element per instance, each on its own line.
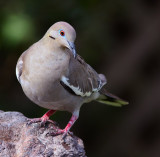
<point x="54" y="76"/>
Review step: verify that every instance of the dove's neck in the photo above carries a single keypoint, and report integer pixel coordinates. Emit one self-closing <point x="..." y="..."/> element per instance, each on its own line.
<point x="51" y="45"/>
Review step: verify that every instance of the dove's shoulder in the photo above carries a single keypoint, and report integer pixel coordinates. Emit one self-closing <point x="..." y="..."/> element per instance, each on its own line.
<point x="82" y="79"/>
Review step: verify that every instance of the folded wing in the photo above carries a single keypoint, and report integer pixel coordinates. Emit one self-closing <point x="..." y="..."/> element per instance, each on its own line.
<point x="82" y="79"/>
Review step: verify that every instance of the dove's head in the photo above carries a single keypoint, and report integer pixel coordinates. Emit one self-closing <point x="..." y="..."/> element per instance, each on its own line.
<point x="63" y="34"/>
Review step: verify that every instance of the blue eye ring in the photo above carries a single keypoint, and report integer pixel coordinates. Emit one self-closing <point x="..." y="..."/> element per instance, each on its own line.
<point x="61" y="32"/>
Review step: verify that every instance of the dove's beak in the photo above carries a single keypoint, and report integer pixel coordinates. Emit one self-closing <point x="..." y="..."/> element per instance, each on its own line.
<point x="72" y="48"/>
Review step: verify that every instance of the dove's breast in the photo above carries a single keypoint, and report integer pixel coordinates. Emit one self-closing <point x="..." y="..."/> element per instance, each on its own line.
<point x="44" y="88"/>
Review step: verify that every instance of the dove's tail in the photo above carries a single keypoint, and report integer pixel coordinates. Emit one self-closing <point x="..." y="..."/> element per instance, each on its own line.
<point x="110" y="99"/>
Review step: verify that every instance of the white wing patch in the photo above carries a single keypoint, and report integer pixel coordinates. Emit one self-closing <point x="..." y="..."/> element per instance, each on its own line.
<point x="99" y="86"/>
<point x="77" y="90"/>
<point x="18" y="67"/>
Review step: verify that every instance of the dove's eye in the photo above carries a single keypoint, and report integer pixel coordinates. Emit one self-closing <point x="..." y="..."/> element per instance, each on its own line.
<point x="62" y="33"/>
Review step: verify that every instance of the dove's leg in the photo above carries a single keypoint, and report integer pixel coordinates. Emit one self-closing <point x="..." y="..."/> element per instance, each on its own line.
<point x="44" y="118"/>
<point x="74" y="117"/>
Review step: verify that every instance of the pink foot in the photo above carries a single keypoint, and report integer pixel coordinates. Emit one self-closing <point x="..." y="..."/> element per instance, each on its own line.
<point x="67" y="128"/>
<point x="61" y="132"/>
<point x="43" y="119"/>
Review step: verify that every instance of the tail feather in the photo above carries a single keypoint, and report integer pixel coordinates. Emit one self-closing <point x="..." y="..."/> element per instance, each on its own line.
<point x="110" y="99"/>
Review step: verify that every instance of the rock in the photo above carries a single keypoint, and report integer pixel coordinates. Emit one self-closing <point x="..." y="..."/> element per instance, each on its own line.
<point x="18" y="139"/>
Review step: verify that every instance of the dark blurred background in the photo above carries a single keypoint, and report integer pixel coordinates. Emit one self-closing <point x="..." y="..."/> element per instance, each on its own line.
<point x="119" y="38"/>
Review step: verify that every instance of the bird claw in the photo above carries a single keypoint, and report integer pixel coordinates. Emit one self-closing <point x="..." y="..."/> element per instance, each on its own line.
<point x="42" y="120"/>
<point x="34" y="120"/>
<point x="57" y="132"/>
<point x="62" y="132"/>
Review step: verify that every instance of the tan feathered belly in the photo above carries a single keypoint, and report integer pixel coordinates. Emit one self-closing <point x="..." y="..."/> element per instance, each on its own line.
<point x="51" y="97"/>
<point x="44" y="88"/>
